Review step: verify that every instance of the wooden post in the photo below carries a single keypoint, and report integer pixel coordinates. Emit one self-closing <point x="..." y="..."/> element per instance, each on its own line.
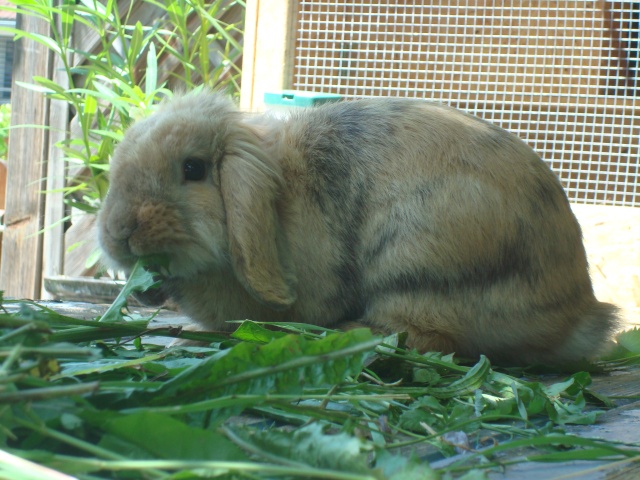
<point x="268" y="49"/>
<point x="54" y="213"/>
<point x="21" y="267"/>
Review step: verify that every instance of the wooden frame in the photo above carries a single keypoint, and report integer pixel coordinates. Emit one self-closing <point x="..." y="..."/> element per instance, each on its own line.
<point x="268" y="49"/>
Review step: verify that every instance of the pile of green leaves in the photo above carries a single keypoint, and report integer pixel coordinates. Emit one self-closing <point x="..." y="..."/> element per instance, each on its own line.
<point x="102" y="398"/>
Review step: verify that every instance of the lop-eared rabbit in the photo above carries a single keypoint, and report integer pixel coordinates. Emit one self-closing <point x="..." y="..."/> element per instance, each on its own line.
<point x="397" y="214"/>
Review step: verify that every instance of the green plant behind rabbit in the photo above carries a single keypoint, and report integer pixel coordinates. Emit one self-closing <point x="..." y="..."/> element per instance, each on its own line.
<point x="129" y="71"/>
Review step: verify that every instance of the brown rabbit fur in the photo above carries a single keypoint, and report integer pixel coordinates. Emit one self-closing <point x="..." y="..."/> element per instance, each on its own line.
<point x="397" y="214"/>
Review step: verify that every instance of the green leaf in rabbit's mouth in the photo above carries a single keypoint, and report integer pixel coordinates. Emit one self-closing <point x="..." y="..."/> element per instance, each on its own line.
<point x="145" y="275"/>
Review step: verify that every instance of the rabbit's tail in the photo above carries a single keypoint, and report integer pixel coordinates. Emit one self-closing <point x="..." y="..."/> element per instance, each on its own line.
<point x="592" y="336"/>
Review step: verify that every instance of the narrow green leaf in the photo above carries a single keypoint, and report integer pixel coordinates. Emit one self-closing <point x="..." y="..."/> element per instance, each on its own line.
<point x="67" y="14"/>
<point x="90" y="106"/>
<point x="50" y="84"/>
<point x="151" y="75"/>
<point x="556" y="389"/>
<point x="471" y="381"/>
<point x="48" y="42"/>
<point x="133" y="52"/>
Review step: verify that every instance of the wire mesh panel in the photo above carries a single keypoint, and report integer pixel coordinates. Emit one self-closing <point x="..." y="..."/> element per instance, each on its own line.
<point x="560" y="74"/>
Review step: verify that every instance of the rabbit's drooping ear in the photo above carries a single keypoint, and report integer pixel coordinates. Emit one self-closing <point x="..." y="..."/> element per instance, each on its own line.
<point x="249" y="184"/>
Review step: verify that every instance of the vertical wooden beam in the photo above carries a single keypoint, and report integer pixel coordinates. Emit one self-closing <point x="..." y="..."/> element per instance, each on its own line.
<point x="54" y="212"/>
<point x="268" y="49"/>
<point x="20" y="271"/>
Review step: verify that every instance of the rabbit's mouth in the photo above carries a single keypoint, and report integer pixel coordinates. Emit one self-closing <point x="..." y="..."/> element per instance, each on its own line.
<point x="155" y="296"/>
<point x="183" y="263"/>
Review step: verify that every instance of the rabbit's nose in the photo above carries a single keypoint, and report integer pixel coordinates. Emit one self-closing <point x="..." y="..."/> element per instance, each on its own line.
<point x="121" y="225"/>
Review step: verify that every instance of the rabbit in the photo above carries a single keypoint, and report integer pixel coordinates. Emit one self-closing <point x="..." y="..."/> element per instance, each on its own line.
<point x="401" y="215"/>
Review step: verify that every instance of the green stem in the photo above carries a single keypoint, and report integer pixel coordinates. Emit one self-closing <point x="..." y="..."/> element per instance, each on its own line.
<point x="114" y="366"/>
<point x="16" y="377"/>
<point x="13" y="355"/>
<point x="217" y="466"/>
<point x="36" y="394"/>
<point x="81" y="445"/>
<point x="247" y="400"/>
<point x="11" y="321"/>
<point x="69" y="440"/>
<point x="455" y="427"/>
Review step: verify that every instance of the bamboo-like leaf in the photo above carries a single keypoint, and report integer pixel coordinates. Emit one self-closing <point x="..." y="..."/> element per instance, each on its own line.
<point x="135" y="44"/>
<point x="67" y="18"/>
<point x="49" y="84"/>
<point x="47" y="41"/>
<point x="90" y="105"/>
<point x="151" y="75"/>
<point x="219" y="27"/>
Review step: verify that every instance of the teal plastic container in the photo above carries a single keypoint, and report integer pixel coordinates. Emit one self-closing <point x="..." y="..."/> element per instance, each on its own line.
<point x="294" y="98"/>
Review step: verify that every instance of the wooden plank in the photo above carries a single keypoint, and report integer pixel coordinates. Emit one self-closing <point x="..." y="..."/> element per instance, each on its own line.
<point x="3" y="195"/>
<point x="20" y="272"/>
<point x="53" y="236"/>
<point x="249" y="54"/>
<point x="83" y="237"/>
<point x="268" y="50"/>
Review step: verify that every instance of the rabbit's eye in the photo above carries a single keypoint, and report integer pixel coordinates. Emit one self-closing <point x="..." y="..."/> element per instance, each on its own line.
<point x="194" y="169"/>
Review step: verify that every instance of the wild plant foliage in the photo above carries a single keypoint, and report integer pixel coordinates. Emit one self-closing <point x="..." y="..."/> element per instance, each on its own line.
<point x="110" y="69"/>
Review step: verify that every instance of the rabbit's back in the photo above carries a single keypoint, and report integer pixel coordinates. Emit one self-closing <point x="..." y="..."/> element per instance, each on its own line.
<point x="438" y="223"/>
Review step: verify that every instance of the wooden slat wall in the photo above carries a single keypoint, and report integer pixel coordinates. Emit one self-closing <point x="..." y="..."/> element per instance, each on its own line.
<point x="22" y="245"/>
